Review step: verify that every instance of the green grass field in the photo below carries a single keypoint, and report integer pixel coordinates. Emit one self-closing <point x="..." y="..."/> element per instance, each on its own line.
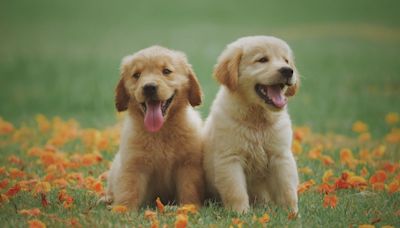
<point x="61" y="58"/>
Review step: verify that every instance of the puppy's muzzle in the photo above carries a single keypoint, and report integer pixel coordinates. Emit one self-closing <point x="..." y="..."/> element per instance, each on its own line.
<point x="150" y="90"/>
<point x="287" y="74"/>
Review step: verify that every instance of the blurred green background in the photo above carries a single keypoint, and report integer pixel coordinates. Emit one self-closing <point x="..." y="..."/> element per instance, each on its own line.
<point x="62" y="57"/>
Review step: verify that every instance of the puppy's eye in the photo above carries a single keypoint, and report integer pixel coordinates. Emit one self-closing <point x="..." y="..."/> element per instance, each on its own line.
<point x="166" y="71"/>
<point x="286" y="60"/>
<point x="136" y="75"/>
<point x="263" y="60"/>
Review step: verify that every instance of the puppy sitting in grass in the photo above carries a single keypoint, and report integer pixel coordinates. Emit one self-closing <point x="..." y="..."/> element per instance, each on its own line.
<point x="160" y="151"/>
<point x="248" y="134"/>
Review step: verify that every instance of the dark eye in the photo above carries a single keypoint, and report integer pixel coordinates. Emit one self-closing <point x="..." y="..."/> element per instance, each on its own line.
<point x="136" y="75"/>
<point x="263" y="60"/>
<point x="166" y="71"/>
<point x="286" y="60"/>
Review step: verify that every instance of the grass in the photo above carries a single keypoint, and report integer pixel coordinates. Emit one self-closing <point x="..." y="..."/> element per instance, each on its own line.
<point x="62" y="59"/>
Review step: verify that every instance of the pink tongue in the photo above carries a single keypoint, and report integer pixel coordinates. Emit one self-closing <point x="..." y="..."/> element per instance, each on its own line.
<point x="275" y="94"/>
<point x="153" y="119"/>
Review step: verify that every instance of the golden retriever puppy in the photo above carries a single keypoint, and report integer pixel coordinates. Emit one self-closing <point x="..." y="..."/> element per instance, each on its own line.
<point x="248" y="135"/>
<point x="160" y="151"/>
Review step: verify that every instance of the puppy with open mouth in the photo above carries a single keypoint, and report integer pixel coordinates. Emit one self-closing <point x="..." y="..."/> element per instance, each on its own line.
<point x="248" y="134"/>
<point x="160" y="150"/>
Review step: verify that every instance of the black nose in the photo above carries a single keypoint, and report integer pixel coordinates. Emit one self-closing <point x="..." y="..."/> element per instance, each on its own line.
<point x="286" y="72"/>
<point x="150" y="89"/>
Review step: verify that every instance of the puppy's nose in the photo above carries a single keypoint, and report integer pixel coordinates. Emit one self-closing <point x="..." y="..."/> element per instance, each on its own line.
<point x="150" y="89"/>
<point x="286" y="72"/>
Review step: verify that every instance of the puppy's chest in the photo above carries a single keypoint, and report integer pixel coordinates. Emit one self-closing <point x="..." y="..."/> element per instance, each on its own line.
<point x="257" y="151"/>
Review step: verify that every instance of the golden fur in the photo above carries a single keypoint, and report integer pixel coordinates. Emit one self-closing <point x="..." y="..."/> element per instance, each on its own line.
<point x="166" y="163"/>
<point x="247" y="141"/>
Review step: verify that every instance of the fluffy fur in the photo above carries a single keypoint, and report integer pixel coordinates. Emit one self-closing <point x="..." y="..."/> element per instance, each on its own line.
<point x="248" y="138"/>
<point x="165" y="163"/>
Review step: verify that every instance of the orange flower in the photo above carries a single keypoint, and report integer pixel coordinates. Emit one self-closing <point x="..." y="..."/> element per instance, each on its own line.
<point x="315" y="153"/>
<point x="186" y="209"/>
<point x="120" y="209"/>
<point x="392" y="118"/>
<point x="390" y="167"/>
<point x="14" y="159"/>
<point x="394" y="186"/>
<point x="305" y="186"/>
<point x="264" y="219"/>
<point x="30" y="212"/>
<point x="365" y="156"/>
<point x="364" y="171"/>
<point x="393" y="136"/>
<point x="327" y="160"/>
<point x="346" y="158"/>
<point x="13" y="190"/>
<point x="160" y="205"/>
<point x="181" y="221"/>
<point x="151" y="215"/>
<point x="364" y="137"/>
<point x="330" y="201"/>
<point x="325" y="188"/>
<point x="4" y="183"/>
<point x="5" y="127"/>
<point x="43" y="123"/>
<point x="36" y="224"/>
<point x="378" y="177"/>
<point x="360" y="127"/>
<point x="16" y="173"/>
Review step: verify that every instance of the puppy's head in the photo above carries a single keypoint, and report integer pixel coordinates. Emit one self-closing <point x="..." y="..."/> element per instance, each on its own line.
<point x="259" y="68"/>
<point x="154" y="82"/>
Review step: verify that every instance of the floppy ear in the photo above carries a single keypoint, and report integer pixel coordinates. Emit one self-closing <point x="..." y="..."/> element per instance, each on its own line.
<point x="227" y="69"/>
<point x="195" y="93"/>
<point x="121" y="97"/>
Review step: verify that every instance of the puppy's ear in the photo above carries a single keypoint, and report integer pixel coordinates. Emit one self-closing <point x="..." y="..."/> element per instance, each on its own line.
<point x="195" y="93"/>
<point x="227" y="69"/>
<point x="121" y="96"/>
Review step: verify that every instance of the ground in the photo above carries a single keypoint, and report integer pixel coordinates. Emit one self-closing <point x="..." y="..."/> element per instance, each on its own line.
<point x="59" y="65"/>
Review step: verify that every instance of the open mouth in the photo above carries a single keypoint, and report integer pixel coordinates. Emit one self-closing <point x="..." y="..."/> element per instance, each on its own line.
<point x="154" y="112"/>
<point x="163" y="104"/>
<point x="272" y="94"/>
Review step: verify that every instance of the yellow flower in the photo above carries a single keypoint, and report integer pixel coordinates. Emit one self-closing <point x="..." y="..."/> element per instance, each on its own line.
<point x="328" y="174"/>
<point x="42" y="187"/>
<point x="306" y="170"/>
<point x="360" y="127"/>
<point x="264" y="219"/>
<point x="366" y="226"/>
<point x="296" y="147"/>
<point x="392" y="118"/>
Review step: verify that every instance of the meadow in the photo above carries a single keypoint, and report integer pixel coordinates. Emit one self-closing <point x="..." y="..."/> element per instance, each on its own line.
<point x="59" y="65"/>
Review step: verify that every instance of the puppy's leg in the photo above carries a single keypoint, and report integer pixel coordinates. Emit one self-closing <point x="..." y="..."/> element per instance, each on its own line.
<point x="283" y="181"/>
<point x="130" y="188"/>
<point x="259" y="195"/>
<point x="190" y="184"/>
<point x="230" y="182"/>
